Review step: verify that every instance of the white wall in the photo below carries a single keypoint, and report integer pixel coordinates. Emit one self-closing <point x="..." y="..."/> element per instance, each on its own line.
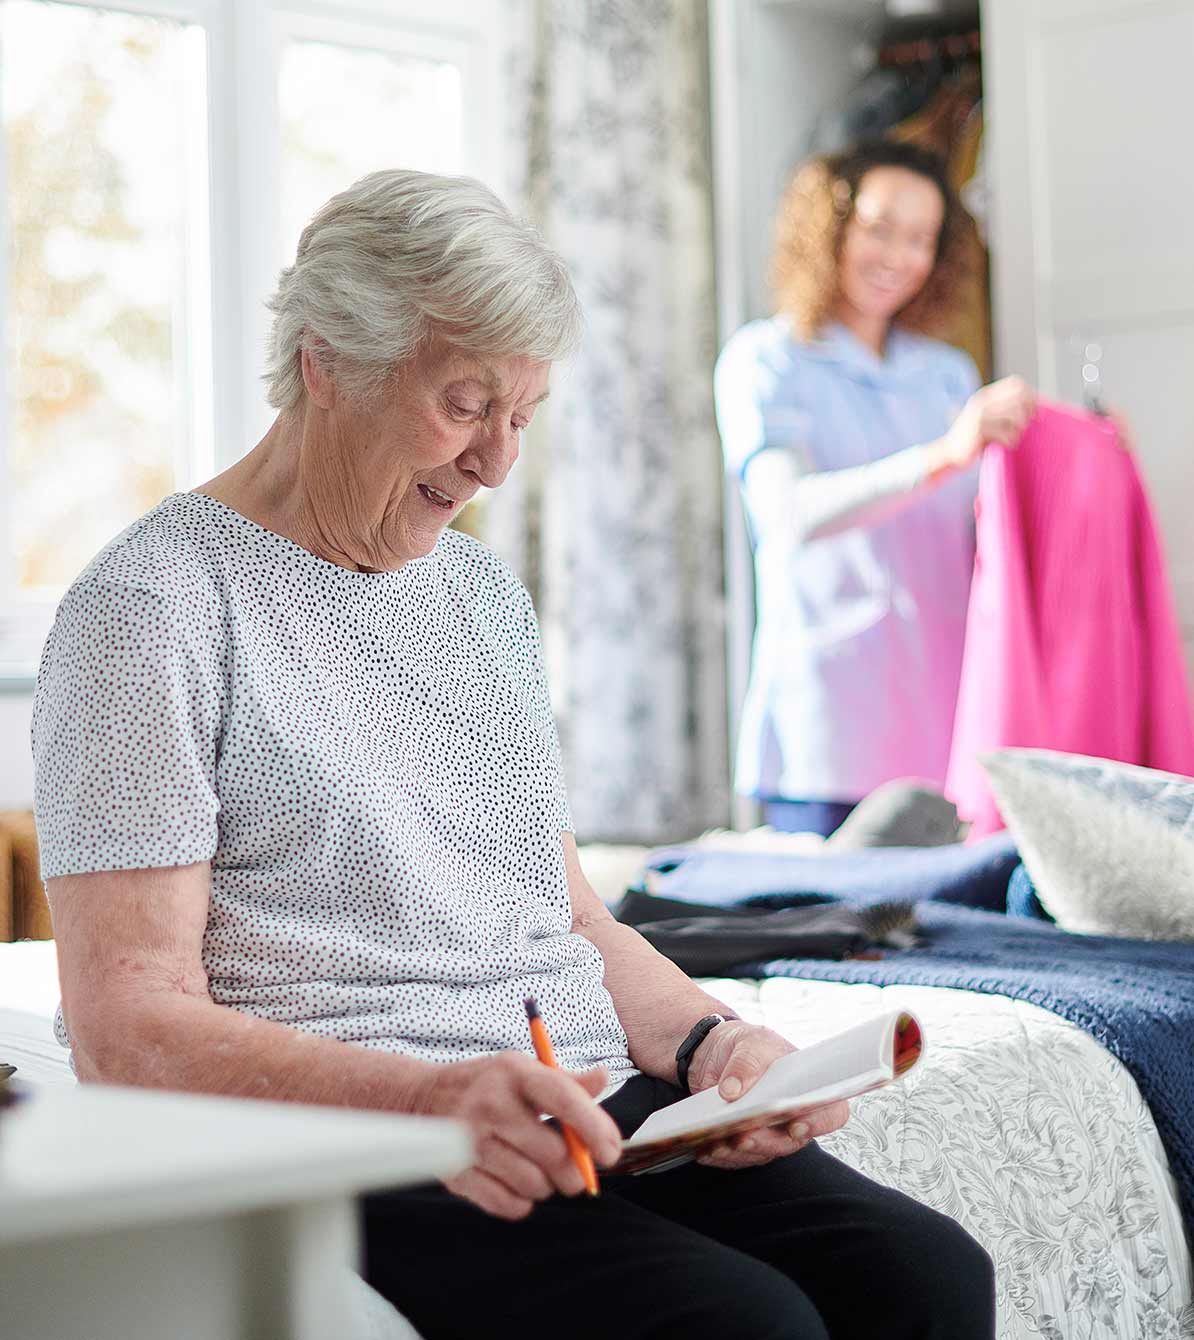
<point x="774" y="68"/>
<point x="781" y="65"/>
<point x="1093" y="174"/>
<point x="16" y="762"/>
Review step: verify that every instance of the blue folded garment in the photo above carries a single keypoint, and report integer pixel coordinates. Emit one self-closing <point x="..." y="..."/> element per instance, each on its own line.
<point x="976" y="875"/>
<point x="1136" y="997"/>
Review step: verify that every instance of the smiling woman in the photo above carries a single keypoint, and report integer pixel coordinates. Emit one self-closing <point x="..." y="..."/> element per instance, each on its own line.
<point x="293" y="741"/>
<point x="381" y="472"/>
<point x="394" y="407"/>
<point x="854" y="432"/>
<point x="826" y="213"/>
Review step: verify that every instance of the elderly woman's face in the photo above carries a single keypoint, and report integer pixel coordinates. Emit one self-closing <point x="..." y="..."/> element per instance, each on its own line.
<point x="390" y="478"/>
<point x="890" y="243"/>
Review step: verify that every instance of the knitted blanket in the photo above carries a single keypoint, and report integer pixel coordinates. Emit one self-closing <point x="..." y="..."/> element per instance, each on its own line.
<point x="1135" y="997"/>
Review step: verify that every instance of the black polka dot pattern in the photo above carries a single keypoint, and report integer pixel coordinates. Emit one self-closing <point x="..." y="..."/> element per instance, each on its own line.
<point x="368" y="760"/>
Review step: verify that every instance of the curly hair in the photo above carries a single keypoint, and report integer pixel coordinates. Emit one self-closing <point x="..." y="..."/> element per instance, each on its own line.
<point x="811" y="224"/>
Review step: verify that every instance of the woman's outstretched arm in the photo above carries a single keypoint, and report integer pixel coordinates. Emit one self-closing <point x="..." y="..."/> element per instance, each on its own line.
<point x="786" y="499"/>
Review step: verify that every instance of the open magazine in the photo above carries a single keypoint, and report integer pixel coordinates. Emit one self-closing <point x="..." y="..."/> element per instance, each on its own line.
<point x="867" y="1056"/>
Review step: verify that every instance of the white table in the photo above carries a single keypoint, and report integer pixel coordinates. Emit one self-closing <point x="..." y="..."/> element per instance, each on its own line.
<point x="135" y="1215"/>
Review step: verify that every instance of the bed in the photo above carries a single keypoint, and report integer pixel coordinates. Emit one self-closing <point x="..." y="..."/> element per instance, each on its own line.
<point x="1018" y="1124"/>
<point x="1032" y="1136"/>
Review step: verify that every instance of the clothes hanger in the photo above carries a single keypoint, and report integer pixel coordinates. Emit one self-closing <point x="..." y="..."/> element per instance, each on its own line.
<point x="1092" y="380"/>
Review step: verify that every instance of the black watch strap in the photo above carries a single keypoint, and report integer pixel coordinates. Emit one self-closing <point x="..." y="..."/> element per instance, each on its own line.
<point x="700" y="1031"/>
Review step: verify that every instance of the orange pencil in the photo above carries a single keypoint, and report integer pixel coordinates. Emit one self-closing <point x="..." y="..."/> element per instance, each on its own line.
<point x="576" y="1146"/>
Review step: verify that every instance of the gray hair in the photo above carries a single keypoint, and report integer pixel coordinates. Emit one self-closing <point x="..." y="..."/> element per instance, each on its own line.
<point x="401" y="256"/>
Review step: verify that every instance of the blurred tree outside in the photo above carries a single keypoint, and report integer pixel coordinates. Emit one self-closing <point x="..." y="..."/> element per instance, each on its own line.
<point x="94" y="149"/>
<point x="346" y="111"/>
<point x="100" y="171"/>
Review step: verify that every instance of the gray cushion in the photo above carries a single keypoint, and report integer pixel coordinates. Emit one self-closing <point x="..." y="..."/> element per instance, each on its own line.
<point x="1109" y="846"/>
<point x="903" y="813"/>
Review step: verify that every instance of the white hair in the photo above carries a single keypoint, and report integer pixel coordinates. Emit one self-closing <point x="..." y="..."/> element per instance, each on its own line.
<point x="401" y="256"/>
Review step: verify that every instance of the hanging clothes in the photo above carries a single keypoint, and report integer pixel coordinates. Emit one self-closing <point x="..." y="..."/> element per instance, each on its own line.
<point x="944" y="124"/>
<point x="880" y="101"/>
<point x="951" y="126"/>
<point x="1072" y="642"/>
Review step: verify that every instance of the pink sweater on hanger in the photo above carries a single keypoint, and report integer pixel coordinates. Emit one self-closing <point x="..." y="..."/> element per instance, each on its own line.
<point x="1071" y="638"/>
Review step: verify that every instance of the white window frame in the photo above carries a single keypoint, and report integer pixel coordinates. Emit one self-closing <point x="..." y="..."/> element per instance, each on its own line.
<point x="227" y="322"/>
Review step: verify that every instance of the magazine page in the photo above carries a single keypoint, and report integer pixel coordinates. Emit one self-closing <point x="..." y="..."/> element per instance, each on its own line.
<point x="871" y="1054"/>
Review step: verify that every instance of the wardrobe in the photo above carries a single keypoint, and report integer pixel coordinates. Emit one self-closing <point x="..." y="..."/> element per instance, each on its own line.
<point x="1088" y="184"/>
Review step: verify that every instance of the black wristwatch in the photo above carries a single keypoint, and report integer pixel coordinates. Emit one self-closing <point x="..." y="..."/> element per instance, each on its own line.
<point x="700" y="1031"/>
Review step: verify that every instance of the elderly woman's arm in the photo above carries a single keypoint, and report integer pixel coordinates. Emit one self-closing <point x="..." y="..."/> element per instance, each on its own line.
<point x="138" y="1010"/>
<point x="658" y="1004"/>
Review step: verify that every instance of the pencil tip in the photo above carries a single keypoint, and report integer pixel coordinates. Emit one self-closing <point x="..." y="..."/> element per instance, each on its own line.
<point x="532" y="1007"/>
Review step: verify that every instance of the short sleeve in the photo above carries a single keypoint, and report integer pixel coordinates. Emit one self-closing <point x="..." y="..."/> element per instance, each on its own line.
<point x="964" y="377"/>
<point x="126" y="726"/>
<point x="545" y="721"/>
<point x="755" y="410"/>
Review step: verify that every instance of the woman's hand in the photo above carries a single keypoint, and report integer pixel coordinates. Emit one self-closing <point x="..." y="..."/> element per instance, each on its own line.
<point x="733" y="1057"/>
<point x="995" y="413"/>
<point x="520" y="1159"/>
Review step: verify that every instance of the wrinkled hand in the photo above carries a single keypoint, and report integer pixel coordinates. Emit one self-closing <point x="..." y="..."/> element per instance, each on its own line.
<point x="996" y="413"/>
<point x="733" y="1057"/>
<point x="520" y="1159"/>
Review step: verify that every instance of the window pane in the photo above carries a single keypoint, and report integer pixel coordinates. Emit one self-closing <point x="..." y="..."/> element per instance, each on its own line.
<point x="102" y="180"/>
<point x="346" y="111"/>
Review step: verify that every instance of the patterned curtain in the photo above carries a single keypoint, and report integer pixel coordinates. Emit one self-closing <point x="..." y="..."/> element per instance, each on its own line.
<point x="613" y="515"/>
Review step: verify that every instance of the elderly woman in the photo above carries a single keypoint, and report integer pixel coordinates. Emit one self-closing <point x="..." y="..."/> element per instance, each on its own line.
<point x="305" y="836"/>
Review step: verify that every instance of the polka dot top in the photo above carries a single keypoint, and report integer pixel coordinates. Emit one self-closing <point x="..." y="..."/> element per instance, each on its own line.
<point x="368" y="761"/>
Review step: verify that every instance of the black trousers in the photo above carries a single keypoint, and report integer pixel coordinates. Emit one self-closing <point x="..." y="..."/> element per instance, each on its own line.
<point x="804" y="1248"/>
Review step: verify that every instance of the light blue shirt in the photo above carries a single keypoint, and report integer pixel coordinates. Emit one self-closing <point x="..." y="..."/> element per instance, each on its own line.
<point x="859" y="631"/>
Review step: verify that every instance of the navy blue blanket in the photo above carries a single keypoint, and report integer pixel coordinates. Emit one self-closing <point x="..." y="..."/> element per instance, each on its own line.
<point x="1135" y="997"/>
<point x="976" y="874"/>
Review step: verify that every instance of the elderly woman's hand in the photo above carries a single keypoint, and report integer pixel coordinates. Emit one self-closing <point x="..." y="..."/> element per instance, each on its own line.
<point x="521" y="1159"/>
<point x="733" y="1057"/>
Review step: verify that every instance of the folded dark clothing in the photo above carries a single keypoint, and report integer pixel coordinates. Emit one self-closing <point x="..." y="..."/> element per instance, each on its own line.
<point x="708" y="941"/>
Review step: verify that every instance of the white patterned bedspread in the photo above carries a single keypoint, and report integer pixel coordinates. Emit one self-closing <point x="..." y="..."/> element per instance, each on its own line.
<point x="1016" y="1123"/>
<point x="1031" y="1135"/>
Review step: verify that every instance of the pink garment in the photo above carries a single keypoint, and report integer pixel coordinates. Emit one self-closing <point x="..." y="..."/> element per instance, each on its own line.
<point x="1072" y="642"/>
